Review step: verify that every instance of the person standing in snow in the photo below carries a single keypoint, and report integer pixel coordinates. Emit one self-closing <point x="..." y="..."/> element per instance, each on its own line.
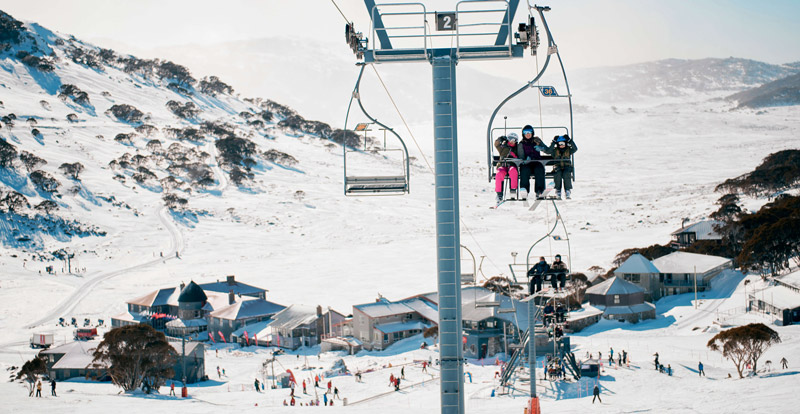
<point x="700" y="372"/>
<point x="528" y="151"/>
<point x="784" y="363"/>
<point x="624" y="357"/>
<point x="257" y="385"/>
<point x="39" y="388"/>
<point x="596" y="393"/>
<point x="53" y="387"/>
<point x="610" y="355"/>
<point x="656" y="361"/>
<point x="403" y="372"/>
<point x="506" y="147"/>
<point x="562" y="149"/>
<point x="172" y="388"/>
<point x="336" y="393"/>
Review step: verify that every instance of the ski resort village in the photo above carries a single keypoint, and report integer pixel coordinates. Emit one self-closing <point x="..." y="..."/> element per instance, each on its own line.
<point x="233" y="208"/>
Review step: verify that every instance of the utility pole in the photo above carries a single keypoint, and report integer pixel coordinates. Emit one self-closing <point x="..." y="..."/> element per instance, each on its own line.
<point x="695" y="287"/>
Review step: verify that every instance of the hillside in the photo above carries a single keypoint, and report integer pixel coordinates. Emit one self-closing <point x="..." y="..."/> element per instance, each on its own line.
<point x="781" y="92"/>
<point x="679" y="78"/>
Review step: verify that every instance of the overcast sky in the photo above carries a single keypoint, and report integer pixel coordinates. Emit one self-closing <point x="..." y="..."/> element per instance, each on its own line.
<point x="589" y="32"/>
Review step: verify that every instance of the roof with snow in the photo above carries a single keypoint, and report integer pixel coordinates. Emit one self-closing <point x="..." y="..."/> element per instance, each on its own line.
<point x="393" y="327"/>
<point x="780" y="297"/>
<point x="186" y="323"/>
<point x="383" y="307"/>
<point x="134" y="317"/>
<point x="77" y="354"/>
<point x="161" y="297"/>
<point x="637" y="263"/>
<point x="252" y="329"/>
<point x="294" y="316"/>
<point x="248" y="308"/>
<point x="704" y="230"/>
<point x="683" y="262"/>
<point x="238" y="288"/>
<point x="614" y="286"/>
<point x="792" y="279"/>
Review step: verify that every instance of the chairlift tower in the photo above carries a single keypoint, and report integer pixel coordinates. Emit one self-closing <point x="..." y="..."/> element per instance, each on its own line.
<point x="475" y="30"/>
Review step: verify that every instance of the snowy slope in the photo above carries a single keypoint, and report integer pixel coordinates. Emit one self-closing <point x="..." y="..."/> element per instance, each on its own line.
<point x="641" y="169"/>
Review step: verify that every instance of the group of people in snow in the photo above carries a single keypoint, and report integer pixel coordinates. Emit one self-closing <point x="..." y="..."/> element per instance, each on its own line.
<point x="519" y="159"/>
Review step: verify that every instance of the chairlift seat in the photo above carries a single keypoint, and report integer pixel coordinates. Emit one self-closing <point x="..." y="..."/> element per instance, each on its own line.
<point x="376" y="184"/>
<point x="487" y="304"/>
<point x="545" y="161"/>
<point x="506" y="310"/>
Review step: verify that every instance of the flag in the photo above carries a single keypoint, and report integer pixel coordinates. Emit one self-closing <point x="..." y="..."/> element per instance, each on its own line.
<point x="246" y="338"/>
<point x="211" y="336"/>
<point x="255" y="338"/>
<point x="222" y="337"/>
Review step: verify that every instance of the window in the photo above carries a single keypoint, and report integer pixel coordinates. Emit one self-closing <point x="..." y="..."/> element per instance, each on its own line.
<point x="616" y="299"/>
<point x="633" y="278"/>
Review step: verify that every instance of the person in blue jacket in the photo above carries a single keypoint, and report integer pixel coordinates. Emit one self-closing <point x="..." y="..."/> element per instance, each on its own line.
<point x="536" y="274"/>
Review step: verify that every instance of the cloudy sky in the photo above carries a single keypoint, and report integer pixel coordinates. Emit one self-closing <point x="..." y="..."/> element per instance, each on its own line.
<point x="596" y="33"/>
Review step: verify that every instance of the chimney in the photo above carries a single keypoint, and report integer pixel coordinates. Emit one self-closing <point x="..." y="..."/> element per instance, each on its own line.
<point x="319" y="310"/>
<point x="231" y="297"/>
<point x="231" y="282"/>
<point x="183" y="285"/>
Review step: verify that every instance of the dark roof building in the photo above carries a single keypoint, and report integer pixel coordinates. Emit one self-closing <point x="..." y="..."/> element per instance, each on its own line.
<point x="238" y="288"/>
<point x="621" y="300"/>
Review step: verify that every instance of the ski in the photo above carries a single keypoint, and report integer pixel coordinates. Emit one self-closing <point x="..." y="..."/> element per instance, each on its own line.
<point x="545" y="196"/>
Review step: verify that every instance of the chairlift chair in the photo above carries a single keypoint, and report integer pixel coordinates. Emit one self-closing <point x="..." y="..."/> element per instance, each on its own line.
<point x="374" y="184"/>
<point x="546" y="91"/>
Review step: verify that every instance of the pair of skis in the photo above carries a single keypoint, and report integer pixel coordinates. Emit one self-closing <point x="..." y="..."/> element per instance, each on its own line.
<point x="545" y="196"/>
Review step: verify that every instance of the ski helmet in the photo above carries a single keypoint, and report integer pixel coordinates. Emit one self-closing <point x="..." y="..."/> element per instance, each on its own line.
<point x="527" y="129"/>
<point x="513" y="137"/>
<point x="561" y="138"/>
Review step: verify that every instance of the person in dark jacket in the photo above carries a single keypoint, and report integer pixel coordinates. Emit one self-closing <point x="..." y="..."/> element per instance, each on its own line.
<point x="528" y="151"/>
<point x="536" y="274"/>
<point x="596" y="393"/>
<point x="507" y="149"/>
<point x="559" y="271"/>
<point x="562" y="149"/>
<point x="700" y="372"/>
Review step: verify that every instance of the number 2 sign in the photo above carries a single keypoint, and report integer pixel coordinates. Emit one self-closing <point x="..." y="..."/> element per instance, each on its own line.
<point x="445" y="21"/>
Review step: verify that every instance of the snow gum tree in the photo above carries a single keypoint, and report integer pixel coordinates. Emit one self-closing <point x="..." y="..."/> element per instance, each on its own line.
<point x="136" y="355"/>
<point x="744" y="344"/>
<point x="31" y="370"/>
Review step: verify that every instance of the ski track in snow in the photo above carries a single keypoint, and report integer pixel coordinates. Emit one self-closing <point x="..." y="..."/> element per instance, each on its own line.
<point x="176" y="246"/>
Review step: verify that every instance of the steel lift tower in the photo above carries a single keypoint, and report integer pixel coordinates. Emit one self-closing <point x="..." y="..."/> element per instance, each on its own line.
<point x="475" y="30"/>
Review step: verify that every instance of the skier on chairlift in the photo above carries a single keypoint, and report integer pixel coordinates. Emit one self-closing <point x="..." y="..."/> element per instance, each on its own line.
<point x="506" y="147"/>
<point x="562" y="149"/>
<point x="536" y="274"/>
<point x="559" y="271"/>
<point x="528" y="151"/>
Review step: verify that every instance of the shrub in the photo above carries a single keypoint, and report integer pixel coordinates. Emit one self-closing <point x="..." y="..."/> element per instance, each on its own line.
<point x="211" y="85"/>
<point x="186" y="111"/>
<point x="47" y="206"/>
<point x="78" y="96"/>
<point x="44" y="181"/>
<point x="234" y="150"/>
<point x="154" y="146"/>
<point x="125" y="139"/>
<point x="85" y="57"/>
<point x="219" y="129"/>
<point x="10" y="30"/>
<point x="14" y="202"/>
<point x="239" y="175"/>
<point x="171" y="71"/>
<point x="185" y="134"/>
<point x="778" y="172"/>
<point x="31" y="161"/>
<point x="72" y="117"/>
<point x="35" y="132"/>
<point x="126" y="113"/>
<point x="42" y="64"/>
<point x="174" y="202"/>
<point x="279" y="157"/>
<point x="142" y="174"/>
<point x="146" y="130"/>
<point x="8" y="153"/>
<point x="71" y="170"/>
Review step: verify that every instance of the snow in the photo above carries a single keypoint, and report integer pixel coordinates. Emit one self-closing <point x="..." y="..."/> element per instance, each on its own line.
<point x="684" y="262"/>
<point x="637" y="263"/>
<point x="642" y="168"/>
<point x="614" y="286"/>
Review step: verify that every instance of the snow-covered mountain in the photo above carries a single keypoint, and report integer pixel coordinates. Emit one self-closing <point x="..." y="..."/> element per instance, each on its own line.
<point x="784" y="91"/>
<point x="681" y="78"/>
<point x="146" y="137"/>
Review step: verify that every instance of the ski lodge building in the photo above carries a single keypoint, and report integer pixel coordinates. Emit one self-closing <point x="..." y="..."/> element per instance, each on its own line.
<point x="381" y="323"/>
<point x="292" y="327"/>
<point x="703" y="230"/>
<point x="672" y="274"/>
<point x="621" y="300"/>
<point x="781" y="300"/>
